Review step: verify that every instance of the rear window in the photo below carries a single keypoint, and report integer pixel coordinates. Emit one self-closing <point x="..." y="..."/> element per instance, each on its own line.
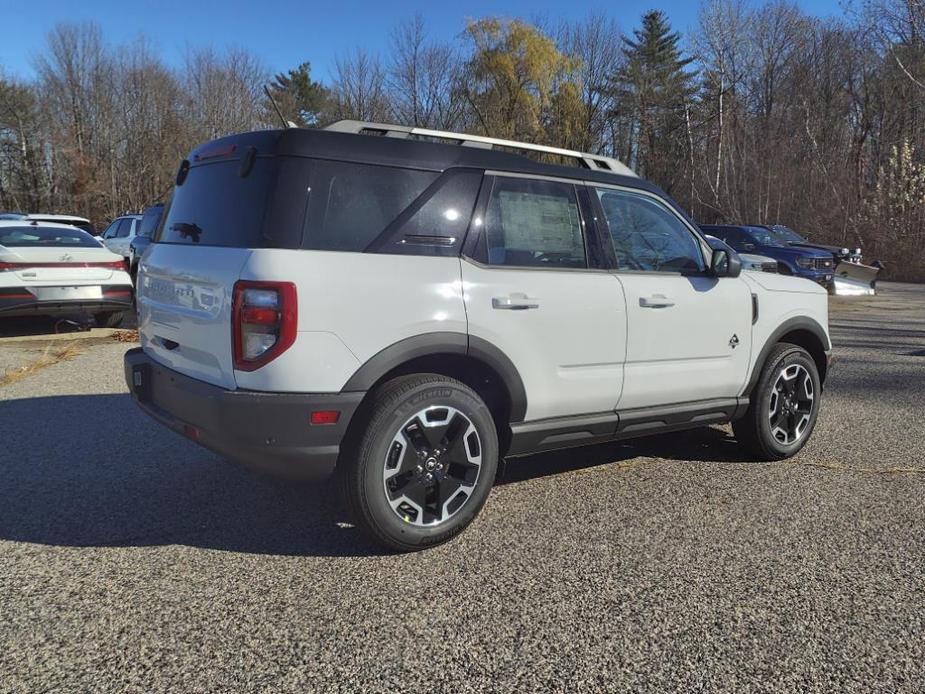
<point x="148" y="224"/>
<point x="351" y="204"/>
<point x="42" y="237"/>
<point x="217" y="206"/>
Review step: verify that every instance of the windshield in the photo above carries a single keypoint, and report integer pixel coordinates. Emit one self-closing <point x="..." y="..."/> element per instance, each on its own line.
<point x="787" y="235"/>
<point x="43" y="237"/>
<point x="764" y="236"/>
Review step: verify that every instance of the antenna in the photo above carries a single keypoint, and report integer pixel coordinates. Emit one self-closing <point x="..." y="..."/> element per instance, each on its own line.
<point x="286" y="123"/>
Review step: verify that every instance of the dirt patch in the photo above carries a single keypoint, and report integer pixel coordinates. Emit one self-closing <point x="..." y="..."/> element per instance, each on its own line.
<point x="51" y="355"/>
<point x="124" y="336"/>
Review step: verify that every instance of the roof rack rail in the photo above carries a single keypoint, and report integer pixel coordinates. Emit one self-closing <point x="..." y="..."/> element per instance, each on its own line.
<point x="589" y="161"/>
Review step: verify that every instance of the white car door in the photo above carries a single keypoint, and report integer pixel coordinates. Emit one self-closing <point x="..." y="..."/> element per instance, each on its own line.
<point x="532" y="290"/>
<point x="123" y="236"/>
<point x="689" y="333"/>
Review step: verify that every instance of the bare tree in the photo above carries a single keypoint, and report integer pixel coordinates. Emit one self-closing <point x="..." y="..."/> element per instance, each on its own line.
<point x="421" y="78"/>
<point x="224" y="92"/>
<point x="359" y="90"/>
<point x="595" y="43"/>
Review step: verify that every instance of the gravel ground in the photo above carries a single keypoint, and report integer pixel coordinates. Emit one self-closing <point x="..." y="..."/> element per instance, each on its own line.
<point x="132" y="560"/>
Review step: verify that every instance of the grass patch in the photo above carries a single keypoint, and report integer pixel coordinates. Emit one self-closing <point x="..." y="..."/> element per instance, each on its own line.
<point x="51" y="356"/>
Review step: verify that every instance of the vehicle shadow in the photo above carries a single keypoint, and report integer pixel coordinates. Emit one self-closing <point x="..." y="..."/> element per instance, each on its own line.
<point x="94" y="471"/>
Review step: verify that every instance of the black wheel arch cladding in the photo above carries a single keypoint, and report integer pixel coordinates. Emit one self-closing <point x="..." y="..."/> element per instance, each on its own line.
<point x="436" y="344"/>
<point x="801" y="331"/>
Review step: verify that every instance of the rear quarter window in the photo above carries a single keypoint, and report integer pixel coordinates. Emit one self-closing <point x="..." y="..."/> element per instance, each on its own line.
<point x="350" y="205"/>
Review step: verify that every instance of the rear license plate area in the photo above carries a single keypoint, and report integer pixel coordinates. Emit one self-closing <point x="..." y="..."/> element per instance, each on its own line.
<point x="67" y="293"/>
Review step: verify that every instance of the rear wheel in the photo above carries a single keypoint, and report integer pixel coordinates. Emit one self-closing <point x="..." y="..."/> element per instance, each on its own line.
<point x="784" y="405"/>
<point x="425" y="463"/>
<point x="109" y="319"/>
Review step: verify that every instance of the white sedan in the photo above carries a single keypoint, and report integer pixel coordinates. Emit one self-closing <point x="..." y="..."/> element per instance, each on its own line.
<point x="49" y="269"/>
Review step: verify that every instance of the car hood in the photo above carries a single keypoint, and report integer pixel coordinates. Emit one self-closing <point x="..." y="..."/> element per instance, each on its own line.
<point x="794" y="252"/>
<point x="837" y="250"/>
<point x="753" y="258"/>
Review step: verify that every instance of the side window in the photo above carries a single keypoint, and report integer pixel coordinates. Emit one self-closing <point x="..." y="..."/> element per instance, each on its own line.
<point x="737" y="240"/>
<point x="125" y="226"/>
<point x="351" y="204"/>
<point x="647" y="236"/>
<point x="532" y="223"/>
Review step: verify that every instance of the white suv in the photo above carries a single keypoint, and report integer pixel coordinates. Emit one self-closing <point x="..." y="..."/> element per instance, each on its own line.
<point x="407" y="307"/>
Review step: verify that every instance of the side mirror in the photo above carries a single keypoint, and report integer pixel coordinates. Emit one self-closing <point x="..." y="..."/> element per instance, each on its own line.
<point x="725" y="263"/>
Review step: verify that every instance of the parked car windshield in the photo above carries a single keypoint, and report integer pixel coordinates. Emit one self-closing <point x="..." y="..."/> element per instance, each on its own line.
<point x="41" y="237"/>
<point x="787" y="235"/>
<point x="764" y="236"/>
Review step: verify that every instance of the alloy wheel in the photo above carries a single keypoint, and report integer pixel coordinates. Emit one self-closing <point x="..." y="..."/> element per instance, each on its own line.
<point x="432" y="466"/>
<point x="791" y="404"/>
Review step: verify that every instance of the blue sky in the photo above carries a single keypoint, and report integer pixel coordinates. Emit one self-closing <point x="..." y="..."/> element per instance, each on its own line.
<point x="284" y="33"/>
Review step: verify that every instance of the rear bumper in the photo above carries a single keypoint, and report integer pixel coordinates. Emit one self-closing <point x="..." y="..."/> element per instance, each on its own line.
<point x="16" y="302"/>
<point x="267" y="432"/>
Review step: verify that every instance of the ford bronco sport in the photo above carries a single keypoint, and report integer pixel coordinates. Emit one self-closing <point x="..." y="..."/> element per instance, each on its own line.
<point x="406" y="307"/>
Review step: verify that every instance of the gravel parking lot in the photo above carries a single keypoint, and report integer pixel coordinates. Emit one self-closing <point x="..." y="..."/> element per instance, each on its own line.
<point x="133" y="560"/>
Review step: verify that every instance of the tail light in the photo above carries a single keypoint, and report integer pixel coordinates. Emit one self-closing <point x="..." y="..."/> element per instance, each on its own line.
<point x="109" y="265"/>
<point x="264" y="320"/>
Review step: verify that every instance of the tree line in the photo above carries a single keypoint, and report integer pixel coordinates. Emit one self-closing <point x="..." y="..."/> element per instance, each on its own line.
<point x="758" y="114"/>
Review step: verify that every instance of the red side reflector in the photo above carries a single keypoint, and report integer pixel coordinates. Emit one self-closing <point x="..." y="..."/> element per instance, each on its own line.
<point x="191" y="432"/>
<point x="325" y="416"/>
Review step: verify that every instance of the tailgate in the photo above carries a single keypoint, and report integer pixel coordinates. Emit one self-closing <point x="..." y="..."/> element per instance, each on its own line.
<point x="184" y="309"/>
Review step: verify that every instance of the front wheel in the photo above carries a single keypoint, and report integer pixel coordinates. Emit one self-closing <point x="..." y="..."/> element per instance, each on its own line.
<point x="425" y="463"/>
<point x="784" y="405"/>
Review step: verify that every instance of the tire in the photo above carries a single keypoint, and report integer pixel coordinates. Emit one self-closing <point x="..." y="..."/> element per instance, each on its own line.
<point x="417" y="476"/>
<point x="109" y="319"/>
<point x="779" y="421"/>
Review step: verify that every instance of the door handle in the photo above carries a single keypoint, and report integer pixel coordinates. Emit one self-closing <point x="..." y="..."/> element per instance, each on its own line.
<point x="514" y="302"/>
<point x="655" y="301"/>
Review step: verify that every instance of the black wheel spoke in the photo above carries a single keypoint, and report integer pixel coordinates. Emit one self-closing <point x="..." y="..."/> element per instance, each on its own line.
<point x="454" y="431"/>
<point x="415" y="433"/>
<point x="464" y="472"/>
<point x="446" y="489"/>
<point x="416" y="491"/>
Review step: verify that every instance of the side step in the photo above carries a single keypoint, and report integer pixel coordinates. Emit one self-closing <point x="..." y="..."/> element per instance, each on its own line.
<point x="583" y="430"/>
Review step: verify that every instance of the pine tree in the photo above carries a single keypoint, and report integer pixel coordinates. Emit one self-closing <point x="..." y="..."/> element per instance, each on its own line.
<point x="651" y="91"/>
<point x="300" y="98"/>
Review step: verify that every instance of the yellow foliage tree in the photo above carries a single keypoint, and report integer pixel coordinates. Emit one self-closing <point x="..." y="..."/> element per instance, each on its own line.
<point x="518" y="83"/>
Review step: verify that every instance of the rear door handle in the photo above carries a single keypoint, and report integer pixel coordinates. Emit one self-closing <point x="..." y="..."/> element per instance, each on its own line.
<point x="655" y="301"/>
<point x="514" y="302"/>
